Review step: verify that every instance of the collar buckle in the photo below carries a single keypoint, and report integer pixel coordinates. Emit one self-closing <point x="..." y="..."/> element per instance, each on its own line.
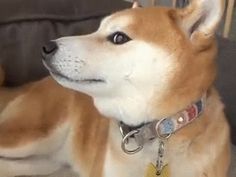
<point x="125" y="141"/>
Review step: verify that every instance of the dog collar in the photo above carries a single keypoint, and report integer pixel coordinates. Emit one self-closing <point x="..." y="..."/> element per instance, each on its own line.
<point x="161" y="129"/>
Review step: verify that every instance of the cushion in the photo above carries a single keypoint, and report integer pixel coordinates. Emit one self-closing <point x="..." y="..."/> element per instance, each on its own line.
<point x="226" y="80"/>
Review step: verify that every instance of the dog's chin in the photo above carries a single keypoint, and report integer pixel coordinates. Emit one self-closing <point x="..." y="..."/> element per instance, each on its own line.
<point x="84" y="81"/>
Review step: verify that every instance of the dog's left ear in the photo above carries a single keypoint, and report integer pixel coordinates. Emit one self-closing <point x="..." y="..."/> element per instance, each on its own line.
<point x="200" y="19"/>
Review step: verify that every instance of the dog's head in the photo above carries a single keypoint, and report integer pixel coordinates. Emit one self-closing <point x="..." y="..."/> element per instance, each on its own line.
<point x="142" y="63"/>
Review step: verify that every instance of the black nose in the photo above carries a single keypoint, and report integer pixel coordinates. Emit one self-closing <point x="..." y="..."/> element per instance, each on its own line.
<point x="49" y="49"/>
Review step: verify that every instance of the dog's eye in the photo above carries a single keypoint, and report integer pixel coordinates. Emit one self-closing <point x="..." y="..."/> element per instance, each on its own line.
<point x="118" y="38"/>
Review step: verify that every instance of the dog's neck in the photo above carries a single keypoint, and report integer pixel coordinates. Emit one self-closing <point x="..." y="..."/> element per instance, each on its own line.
<point x="131" y="110"/>
<point x="134" y="111"/>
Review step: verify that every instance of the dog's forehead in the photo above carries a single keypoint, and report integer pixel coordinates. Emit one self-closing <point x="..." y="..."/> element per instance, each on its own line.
<point x="117" y="21"/>
<point x="152" y="25"/>
<point x="148" y="19"/>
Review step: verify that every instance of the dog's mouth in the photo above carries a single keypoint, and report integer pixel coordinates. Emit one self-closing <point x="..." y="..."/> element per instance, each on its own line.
<point x="81" y="81"/>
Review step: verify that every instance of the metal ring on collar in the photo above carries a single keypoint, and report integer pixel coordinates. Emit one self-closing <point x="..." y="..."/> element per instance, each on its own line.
<point x="125" y="140"/>
<point x="163" y="137"/>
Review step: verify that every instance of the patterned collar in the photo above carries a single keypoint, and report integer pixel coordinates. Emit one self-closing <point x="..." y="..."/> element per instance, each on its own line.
<point x="161" y="129"/>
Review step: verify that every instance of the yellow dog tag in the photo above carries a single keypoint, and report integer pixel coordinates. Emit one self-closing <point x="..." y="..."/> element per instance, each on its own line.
<point x="151" y="171"/>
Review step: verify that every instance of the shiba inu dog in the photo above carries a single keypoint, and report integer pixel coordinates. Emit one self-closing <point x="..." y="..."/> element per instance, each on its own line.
<point x="140" y="99"/>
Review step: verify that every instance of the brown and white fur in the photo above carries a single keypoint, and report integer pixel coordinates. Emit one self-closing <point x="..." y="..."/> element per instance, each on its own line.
<point x="168" y="64"/>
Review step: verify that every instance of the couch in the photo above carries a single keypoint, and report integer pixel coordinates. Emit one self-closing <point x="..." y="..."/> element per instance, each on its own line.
<point x="25" y="25"/>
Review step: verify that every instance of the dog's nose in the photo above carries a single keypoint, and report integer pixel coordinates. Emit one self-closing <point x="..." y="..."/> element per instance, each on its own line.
<point x="49" y="49"/>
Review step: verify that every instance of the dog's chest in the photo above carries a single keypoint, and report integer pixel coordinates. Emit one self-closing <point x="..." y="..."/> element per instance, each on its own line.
<point x="118" y="163"/>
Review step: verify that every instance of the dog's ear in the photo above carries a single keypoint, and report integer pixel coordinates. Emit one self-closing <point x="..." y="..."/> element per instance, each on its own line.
<point x="135" y="4"/>
<point x="200" y="18"/>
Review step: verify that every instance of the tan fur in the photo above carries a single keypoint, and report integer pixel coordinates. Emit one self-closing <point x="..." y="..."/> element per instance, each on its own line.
<point x="91" y="144"/>
<point x="35" y="108"/>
